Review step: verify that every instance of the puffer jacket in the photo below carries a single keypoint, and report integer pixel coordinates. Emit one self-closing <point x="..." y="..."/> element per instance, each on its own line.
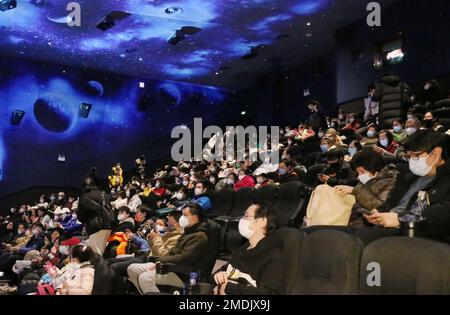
<point x="392" y="94"/>
<point x="80" y="281"/>
<point x="375" y="193"/>
<point x="161" y="245"/>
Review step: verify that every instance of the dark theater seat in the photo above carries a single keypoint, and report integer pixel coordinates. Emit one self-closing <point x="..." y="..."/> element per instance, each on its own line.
<point x="408" y="266"/>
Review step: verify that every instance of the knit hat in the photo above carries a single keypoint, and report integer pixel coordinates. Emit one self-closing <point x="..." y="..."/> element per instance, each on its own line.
<point x="71" y="242"/>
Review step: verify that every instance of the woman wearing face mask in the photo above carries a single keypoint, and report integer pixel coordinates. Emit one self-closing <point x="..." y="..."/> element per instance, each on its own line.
<point x="431" y="122"/>
<point x="353" y="148"/>
<point x="398" y="131"/>
<point x="245" y="180"/>
<point x="258" y="262"/>
<point x="353" y="123"/>
<point x="386" y="144"/>
<point x="371" y="137"/>
<point x="429" y="172"/>
<point x="262" y="180"/>
<point x="375" y="182"/>
<point x="80" y="279"/>
<point x="134" y="200"/>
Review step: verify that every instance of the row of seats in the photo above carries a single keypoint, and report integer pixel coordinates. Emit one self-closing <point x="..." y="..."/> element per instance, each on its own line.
<point x="289" y="202"/>
<point x="332" y="260"/>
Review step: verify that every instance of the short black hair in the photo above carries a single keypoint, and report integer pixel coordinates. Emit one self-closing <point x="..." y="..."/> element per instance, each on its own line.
<point x="369" y="160"/>
<point x="427" y="141"/>
<point x="175" y="214"/>
<point x="270" y="215"/>
<point x="195" y="209"/>
<point x="334" y="154"/>
<point x="288" y="163"/>
<point x="82" y="252"/>
<point x="314" y="102"/>
<point x="124" y="209"/>
<point x="357" y="145"/>
<point x="204" y="182"/>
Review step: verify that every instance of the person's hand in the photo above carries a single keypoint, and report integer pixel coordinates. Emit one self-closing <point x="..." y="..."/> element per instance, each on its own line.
<point x="387" y="220"/>
<point x="222" y="289"/>
<point x="152" y="235"/>
<point x="216" y="290"/>
<point x="343" y="190"/>
<point x="152" y="267"/>
<point x="372" y="219"/>
<point x="221" y="278"/>
<point x="323" y="178"/>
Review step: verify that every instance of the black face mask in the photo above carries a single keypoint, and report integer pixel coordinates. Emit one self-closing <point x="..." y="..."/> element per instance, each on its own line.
<point x="428" y="123"/>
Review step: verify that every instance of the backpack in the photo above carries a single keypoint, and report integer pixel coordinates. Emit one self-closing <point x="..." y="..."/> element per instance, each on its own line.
<point x="105" y="218"/>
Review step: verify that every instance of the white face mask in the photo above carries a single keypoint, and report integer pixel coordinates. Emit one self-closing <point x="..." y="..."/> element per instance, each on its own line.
<point x="420" y="167"/>
<point x="397" y="128"/>
<point x="410" y="131"/>
<point x="160" y="229"/>
<point x="241" y="177"/>
<point x="157" y="185"/>
<point x="64" y="250"/>
<point x="121" y="217"/>
<point x="259" y="180"/>
<point x="184" y="222"/>
<point x="74" y="216"/>
<point x="384" y="142"/>
<point x="198" y="191"/>
<point x="179" y="195"/>
<point x="41" y="200"/>
<point x="365" y="178"/>
<point x="427" y="87"/>
<point x="230" y="181"/>
<point x="244" y="228"/>
<point x="212" y="180"/>
<point x="185" y="182"/>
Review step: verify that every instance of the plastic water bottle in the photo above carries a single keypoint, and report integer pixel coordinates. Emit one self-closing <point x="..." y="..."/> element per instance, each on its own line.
<point x="193" y="278"/>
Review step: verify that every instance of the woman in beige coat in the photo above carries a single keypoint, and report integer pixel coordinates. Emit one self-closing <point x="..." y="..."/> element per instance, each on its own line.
<point x="79" y="280"/>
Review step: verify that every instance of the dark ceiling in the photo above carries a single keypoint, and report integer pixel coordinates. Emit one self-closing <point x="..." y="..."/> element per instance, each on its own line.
<point x="222" y="43"/>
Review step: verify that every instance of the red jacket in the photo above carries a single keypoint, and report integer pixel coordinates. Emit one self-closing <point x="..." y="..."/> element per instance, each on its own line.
<point x="247" y="181"/>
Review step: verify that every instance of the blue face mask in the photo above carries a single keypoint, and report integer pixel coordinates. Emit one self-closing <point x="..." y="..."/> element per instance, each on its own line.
<point x="370" y="133"/>
<point x="324" y="148"/>
<point x="282" y="171"/>
<point x="397" y="129"/>
<point x="352" y="151"/>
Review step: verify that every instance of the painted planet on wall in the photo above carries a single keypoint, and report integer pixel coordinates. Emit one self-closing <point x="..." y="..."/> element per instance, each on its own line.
<point x="169" y="95"/>
<point x="95" y="88"/>
<point x="54" y="113"/>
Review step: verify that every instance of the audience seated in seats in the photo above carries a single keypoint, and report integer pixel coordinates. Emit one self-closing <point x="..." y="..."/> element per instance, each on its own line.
<point x="189" y="250"/>
<point x="121" y="200"/>
<point x="427" y="152"/>
<point x="179" y="199"/>
<point x="255" y="268"/>
<point x="371" y="137"/>
<point x="353" y="148"/>
<point x="124" y="220"/>
<point x="142" y="217"/>
<point x="159" y="243"/>
<point x="245" y="180"/>
<point x="200" y="197"/>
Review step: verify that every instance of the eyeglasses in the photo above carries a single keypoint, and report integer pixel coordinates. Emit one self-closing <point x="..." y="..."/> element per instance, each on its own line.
<point x="414" y="155"/>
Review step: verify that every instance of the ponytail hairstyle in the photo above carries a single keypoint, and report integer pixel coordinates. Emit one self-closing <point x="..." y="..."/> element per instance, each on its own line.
<point x="82" y="252"/>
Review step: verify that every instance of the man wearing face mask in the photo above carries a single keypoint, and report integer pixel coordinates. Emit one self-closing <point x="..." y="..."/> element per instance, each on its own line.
<point x="286" y="172"/>
<point x="124" y="220"/>
<point x="258" y="262"/>
<point x="190" y="250"/>
<point x="200" y="197"/>
<point x="337" y="172"/>
<point x="398" y="132"/>
<point x="429" y="172"/>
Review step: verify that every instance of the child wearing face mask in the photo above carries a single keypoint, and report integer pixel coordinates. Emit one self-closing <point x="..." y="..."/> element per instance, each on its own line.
<point x="254" y="269"/>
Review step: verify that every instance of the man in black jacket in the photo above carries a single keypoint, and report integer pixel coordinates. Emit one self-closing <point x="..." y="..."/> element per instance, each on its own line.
<point x="191" y="250"/>
<point x="316" y="119"/>
<point x="393" y="96"/>
<point x="429" y="173"/>
<point x="337" y="172"/>
<point x="90" y="213"/>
